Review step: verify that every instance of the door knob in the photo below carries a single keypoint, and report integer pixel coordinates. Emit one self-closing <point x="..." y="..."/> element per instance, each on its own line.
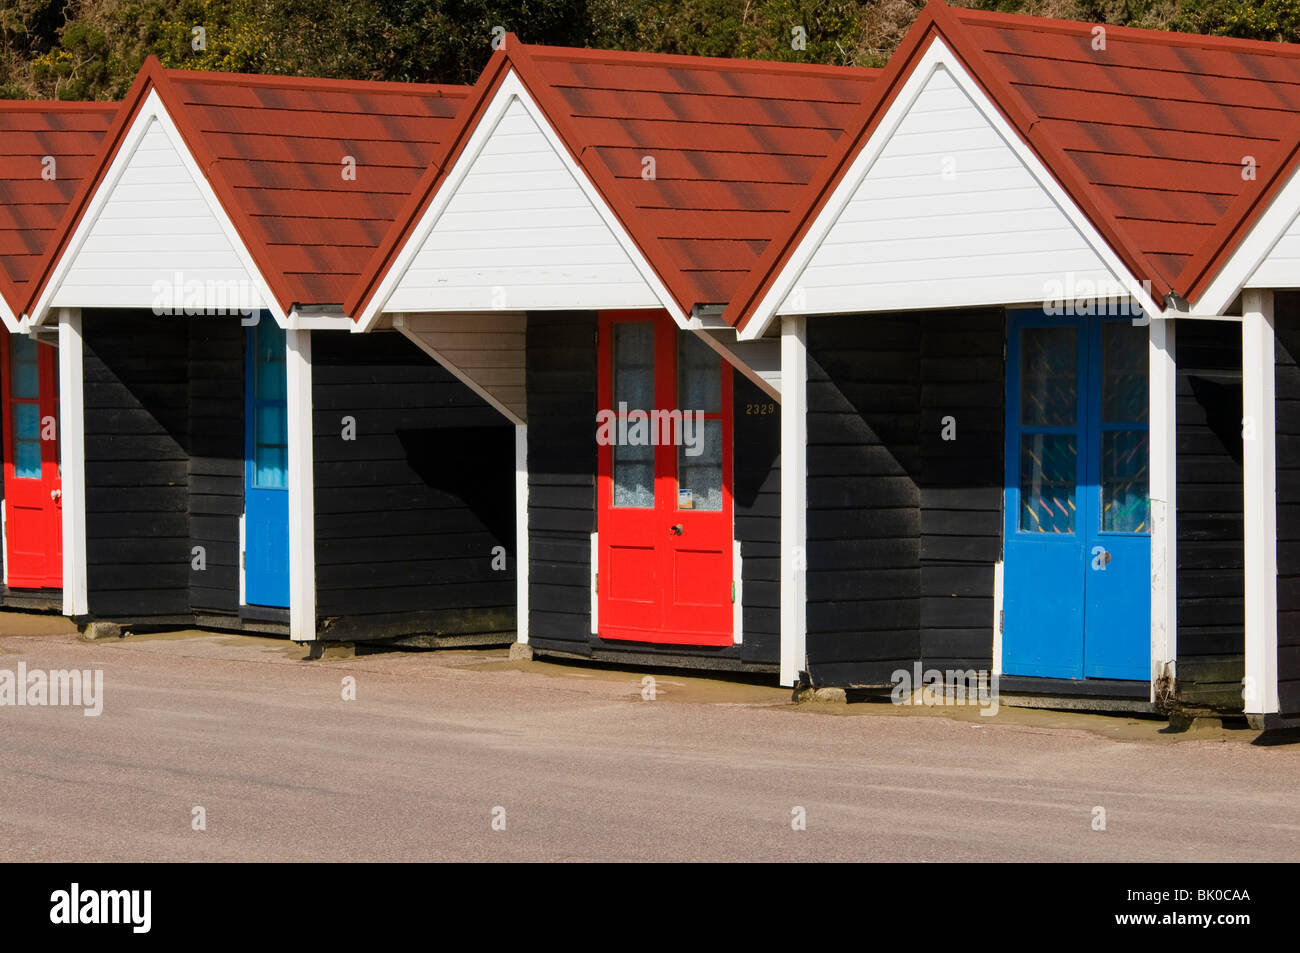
<point x="56" y="494"/>
<point x="676" y="529"/>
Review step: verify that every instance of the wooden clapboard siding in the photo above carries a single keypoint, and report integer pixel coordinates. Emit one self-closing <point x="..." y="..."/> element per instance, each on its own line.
<point x="486" y="351"/>
<point x="1210" y="529"/>
<point x="1003" y="236"/>
<point x="137" y="465"/>
<point x="1287" y="322"/>
<point x="408" y="514"/>
<point x="864" y="520"/>
<point x="904" y="527"/>
<point x="520" y="233"/>
<point x="561" y="478"/>
<point x="961" y="484"/>
<point x="216" y="459"/>
<point x="156" y="214"/>
<point x="756" y="495"/>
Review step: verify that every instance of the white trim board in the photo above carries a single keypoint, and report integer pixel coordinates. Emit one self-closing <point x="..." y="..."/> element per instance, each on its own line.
<point x="1163" y="490"/>
<point x="72" y="461"/>
<point x="155" y="222"/>
<point x="1259" y="478"/>
<point x="945" y="206"/>
<point x="302" y="497"/>
<point x="521" y="533"/>
<point x="8" y="318"/>
<point x="547" y="239"/>
<point x="794" y="499"/>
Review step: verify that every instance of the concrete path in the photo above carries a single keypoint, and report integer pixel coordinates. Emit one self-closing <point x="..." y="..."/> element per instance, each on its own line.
<point x="576" y="765"/>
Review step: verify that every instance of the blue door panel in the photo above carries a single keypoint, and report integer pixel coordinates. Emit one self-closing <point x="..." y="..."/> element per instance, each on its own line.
<point x="1076" y="596"/>
<point x="1042" y="614"/>
<point x="266" y="468"/>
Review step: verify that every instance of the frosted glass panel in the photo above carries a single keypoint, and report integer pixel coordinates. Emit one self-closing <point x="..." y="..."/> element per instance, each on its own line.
<point x="699" y="479"/>
<point x="699" y="376"/>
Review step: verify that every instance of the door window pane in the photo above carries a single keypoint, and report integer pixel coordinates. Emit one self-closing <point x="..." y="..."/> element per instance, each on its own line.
<point x="634" y="476"/>
<point x="634" y="389"/>
<point x="24" y="379"/>
<point x="634" y="365"/>
<point x="699" y="478"/>
<point x="1049" y="370"/>
<point x="270" y="420"/>
<point x="27" y="441"/>
<point x="1125" y="500"/>
<point x="699" y="375"/>
<point x="1048" y="464"/>
<point x="1124" y="373"/>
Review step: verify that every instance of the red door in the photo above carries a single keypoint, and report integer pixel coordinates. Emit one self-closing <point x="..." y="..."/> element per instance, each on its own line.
<point x="33" y="490"/>
<point x="664" y="489"/>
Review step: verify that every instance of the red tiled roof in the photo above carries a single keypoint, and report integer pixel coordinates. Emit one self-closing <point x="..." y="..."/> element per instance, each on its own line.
<point x="30" y="204"/>
<point x="273" y="150"/>
<point x="1148" y="136"/>
<point x="734" y="141"/>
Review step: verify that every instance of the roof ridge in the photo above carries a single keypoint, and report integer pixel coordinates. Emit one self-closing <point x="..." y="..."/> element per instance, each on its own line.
<point x="395" y="87"/>
<point x="1024" y="21"/>
<point x="737" y="64"/>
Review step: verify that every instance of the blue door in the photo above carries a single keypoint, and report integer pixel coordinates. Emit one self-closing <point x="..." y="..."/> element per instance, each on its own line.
<point x="266" y="468"/>
<point x="1077" y="573"/>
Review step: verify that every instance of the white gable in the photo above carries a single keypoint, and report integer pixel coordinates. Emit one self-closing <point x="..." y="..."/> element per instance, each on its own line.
<point x="154" y="235"/>
<point x="517" y="225"/>
<point x="1281" y="267"/>
<point x="944" y="207"/>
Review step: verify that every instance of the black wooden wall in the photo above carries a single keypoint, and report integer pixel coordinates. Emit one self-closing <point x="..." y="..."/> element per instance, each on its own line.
<point x="756" y="495"/>
<point x="156" y="444"/>
<point x="216" y="460"/>
<point x="409" y="512"/>
<point x="561" y="385"/>
<point x="1209" y="527"/>
<point x="1287" y="384"/>
<point x="904" y="527"/>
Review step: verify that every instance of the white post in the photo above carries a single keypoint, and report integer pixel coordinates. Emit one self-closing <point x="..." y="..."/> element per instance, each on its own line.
<point x="794" y="497"/>
<point x="72" y="461"/>
<point x="1163" y="493"/>
<point x="521" y="532"/>
<point x="1260" y="480"/>
<point x="302" y="503"/>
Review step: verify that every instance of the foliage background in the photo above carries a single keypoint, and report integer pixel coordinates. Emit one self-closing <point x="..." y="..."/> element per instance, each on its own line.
<point x="92" y="49"/>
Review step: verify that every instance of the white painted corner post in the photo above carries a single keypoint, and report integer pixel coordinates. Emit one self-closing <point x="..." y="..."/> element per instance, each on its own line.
<point x="521" y="533"/>
<point x="1259" y="476"/>
<point x="302" y="497"/>
<point x="72" y="462"/>
<point x="794" y="497"/>
<point x="1164" y="507"/>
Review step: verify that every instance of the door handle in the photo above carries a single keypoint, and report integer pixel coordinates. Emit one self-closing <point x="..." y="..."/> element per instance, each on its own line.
<point x="677" y="529"/>
<point x="56" y="494"/>
<point x="1100" y="558"/>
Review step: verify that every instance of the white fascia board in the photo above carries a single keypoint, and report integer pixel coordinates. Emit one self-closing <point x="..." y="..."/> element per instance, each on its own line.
<point x="937" y="56"/>
<point x="152" y="109"/>
<point x="308" y="321"/>
<point x="10" y="319"/>
<point x="1252" y="251"/>
<point x="511" y="88"/>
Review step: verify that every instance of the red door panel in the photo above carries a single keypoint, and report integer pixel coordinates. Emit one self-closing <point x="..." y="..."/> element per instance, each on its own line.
<point x="33" y="489"/>
<point x="664" y="503"/>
